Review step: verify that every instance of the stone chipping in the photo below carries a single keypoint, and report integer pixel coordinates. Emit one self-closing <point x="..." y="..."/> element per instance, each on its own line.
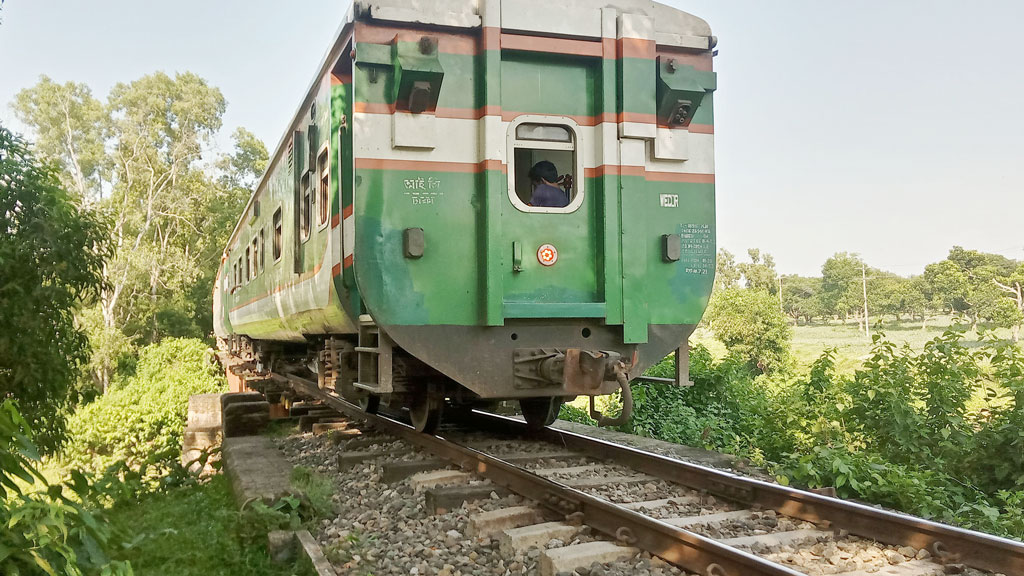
<point x="385" y="529"/>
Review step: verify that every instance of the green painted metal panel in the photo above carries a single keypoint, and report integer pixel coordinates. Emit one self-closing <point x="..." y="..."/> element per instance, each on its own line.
<point x="637" y="83"/>
<point x="442" y="287"/>
<point x="548" y="84"/>
<point x="554" y="310"/>
<point x="677" y="292"/>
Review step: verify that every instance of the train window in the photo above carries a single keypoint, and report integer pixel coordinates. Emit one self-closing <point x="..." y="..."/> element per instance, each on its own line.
<point x="238" y="272"/>
<point x="248" y="264"/>
<point x="324" y="167"/>
<point x="263" y="249"/>
<point x="306" y="210"/>
<point x="278" y="234"/>
<point x="546" y="164"/>
<point x="255" y="256"/>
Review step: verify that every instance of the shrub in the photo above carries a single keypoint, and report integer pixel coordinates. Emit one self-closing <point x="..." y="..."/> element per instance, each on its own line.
<point x="750" y="323"/>
<point x="45" y="531"/>
<point x="51" y="259"/>
<point x="896" y="433"/>
<point x="571" y="413"/>
<point x="143" y="414"/>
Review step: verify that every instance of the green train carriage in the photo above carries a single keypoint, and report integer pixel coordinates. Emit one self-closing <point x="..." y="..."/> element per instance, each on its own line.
<point x="392" y="247"/>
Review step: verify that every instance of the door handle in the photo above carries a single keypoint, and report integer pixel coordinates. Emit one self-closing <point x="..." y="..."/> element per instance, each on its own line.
<point x="517" y="256"/>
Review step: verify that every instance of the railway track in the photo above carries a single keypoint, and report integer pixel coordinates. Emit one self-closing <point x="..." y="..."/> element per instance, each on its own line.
<point x="702" y="520"/>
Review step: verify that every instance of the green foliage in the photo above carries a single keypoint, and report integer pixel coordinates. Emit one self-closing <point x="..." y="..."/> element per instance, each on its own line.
<point x="145" y="413"/>
<point x="70" y="125"/>
<point x="801" y="297"/>
<point x="751" y="325"/>
<point x="760" y="273"/>
<point x="259" y="518"/>
<point x="188" y="530"/>
<point x="138" y="159"/>
<point x="727" y="274"/>
<point x="981" y="286"/>
<point x="51" y="258"/>
<point x="45" y="530"/>
<point x="898" y="432"/>
<point x="317" y="490"/>
<point x="310" y="501"/>
<point x="841" y="290"/>
<point x="571" y="413"/>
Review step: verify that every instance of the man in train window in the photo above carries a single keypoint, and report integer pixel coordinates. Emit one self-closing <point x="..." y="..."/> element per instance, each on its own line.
<point x="546" y="192"/>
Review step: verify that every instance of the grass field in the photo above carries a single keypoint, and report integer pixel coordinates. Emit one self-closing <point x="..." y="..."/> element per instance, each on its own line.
<point x="850" y="342"/>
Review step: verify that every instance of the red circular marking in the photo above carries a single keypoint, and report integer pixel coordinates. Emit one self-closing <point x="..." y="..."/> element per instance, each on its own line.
<point x="547" y="255"/>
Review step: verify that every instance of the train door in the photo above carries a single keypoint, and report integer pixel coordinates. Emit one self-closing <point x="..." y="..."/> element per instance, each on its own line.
<point x="551" y="234"/>
<point x="550" y="220"/>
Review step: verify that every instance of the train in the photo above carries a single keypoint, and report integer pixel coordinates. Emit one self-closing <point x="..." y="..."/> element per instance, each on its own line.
<point x="484" y="200"/>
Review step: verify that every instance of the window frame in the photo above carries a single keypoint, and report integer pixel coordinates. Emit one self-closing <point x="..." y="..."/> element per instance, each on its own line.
<point x="248" y="264"/>
<point x="263" y="248"/>
<point x="514" y="143"/>
<point x="255" y="256"/>
<point x="305" y="208"/>
<point x="277" y="241"/>
<point x="323" y="197"/>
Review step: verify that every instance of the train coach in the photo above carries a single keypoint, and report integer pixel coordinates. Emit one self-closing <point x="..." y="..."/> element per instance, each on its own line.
<point x="482" y="200"/>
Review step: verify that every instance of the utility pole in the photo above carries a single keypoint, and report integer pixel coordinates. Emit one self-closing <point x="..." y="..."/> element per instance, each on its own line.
<point x="864" y="285"/>
<point x="781" y="309"/>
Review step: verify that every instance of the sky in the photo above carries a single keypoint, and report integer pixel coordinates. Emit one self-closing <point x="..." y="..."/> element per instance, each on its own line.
<point x="893" y="129"/>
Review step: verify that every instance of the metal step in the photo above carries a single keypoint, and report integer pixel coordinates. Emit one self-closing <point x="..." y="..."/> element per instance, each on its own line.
<point x="368" y="349"/>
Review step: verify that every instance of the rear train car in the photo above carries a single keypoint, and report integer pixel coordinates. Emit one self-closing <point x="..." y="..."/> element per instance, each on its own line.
<point x="392" y="247"/>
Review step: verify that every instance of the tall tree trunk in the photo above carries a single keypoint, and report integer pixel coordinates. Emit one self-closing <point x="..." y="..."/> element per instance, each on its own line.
<point x="153" y="281"/>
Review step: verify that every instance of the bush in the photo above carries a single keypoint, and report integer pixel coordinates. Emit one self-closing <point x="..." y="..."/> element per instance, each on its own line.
<point x="896" y="433"/>
<point x="51" y="259"/>
<point x="750" y="323"/>
<point x="143" y="414"/>
<point x="571" y="413"/>
<point x="45" y="531"/>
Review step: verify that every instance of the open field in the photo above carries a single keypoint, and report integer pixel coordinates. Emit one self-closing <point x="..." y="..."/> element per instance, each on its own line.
<point x="852" y="345"/>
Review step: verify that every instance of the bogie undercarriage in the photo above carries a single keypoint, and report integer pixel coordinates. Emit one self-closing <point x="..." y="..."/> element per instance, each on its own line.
<point x="370" y="372"/>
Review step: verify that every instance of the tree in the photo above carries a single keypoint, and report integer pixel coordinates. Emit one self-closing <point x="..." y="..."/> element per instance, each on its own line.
<point x="801" y="297"/>
<point x="243" y="169"/>
<point x="170" y="212"/>
<point x="976" y="284"/>
<point x="917" y="300"/>
<point x="841" y="292"/>
<point x="1012" y="286"/>
<point x="759" y="273"/>
<point x="947" y="286"/>
<point x="238" y="176"/>
<point x="69" y="129"/>
<point x="51" y="258"/>
<point x="749" y="323"/>
<point x="727" y="275"/>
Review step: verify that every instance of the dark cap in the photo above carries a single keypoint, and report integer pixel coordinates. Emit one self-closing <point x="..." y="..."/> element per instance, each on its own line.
<point x="544" y="170"/>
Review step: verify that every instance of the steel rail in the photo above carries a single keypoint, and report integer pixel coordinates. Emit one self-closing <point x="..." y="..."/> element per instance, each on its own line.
<point x="684" y="549"/>
<point x="975" y="549"/>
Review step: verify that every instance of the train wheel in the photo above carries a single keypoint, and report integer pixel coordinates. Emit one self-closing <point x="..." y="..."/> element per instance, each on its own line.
<point x="540" y="412"/>
<point x="425" y="411"/>
<point x="369" y="403"/>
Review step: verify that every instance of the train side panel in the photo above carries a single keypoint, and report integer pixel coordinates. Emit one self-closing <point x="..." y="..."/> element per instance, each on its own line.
<point x="279" y="274"/>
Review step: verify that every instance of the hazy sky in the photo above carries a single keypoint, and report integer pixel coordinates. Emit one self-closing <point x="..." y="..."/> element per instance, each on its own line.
<point x="890" y="128"/>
